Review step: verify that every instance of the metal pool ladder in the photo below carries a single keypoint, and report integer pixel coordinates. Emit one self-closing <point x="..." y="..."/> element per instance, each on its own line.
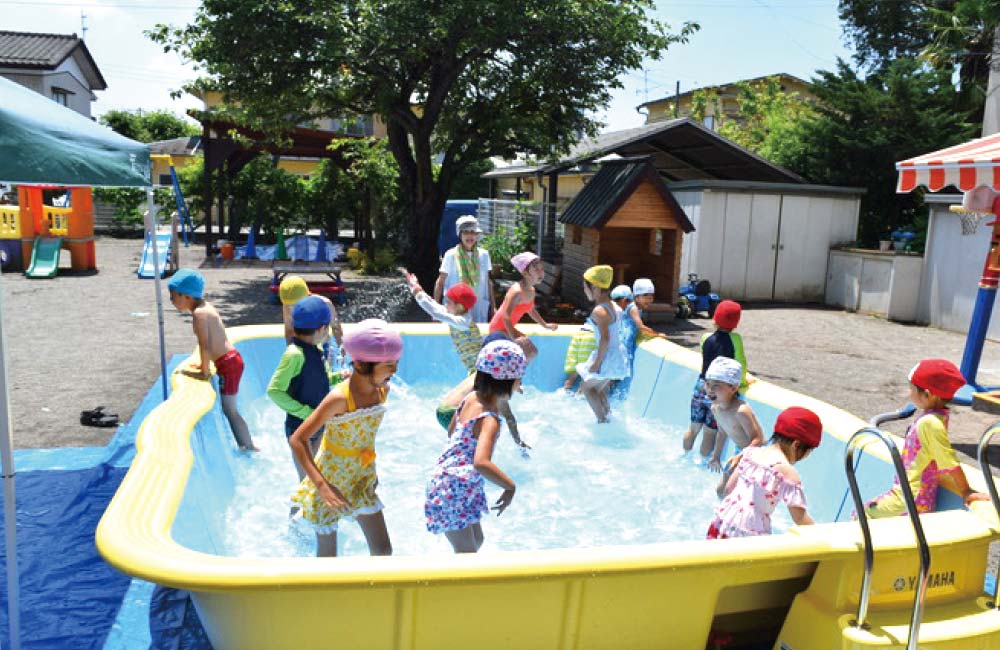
<point x="982" y="455"/>
<point x="911" y="509"/>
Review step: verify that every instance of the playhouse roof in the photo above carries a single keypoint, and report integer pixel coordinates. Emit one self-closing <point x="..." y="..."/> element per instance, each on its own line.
<point x="610" y="188"/>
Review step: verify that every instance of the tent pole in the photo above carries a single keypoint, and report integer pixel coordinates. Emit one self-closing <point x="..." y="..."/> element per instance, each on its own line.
<point x="152" y="225"/>
<point x="9" y="507"/>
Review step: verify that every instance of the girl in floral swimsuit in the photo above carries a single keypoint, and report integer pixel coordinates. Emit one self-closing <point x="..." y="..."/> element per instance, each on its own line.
<point x="927" y="452"/>
<point x="456" y="499"/>
<point x="765" y="476"/>
<point x="340" y="481"/>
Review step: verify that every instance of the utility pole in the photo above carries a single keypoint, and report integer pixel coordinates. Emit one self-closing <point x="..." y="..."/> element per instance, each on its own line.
<point x="677" y="99"/>
<point x="83" y="26"/>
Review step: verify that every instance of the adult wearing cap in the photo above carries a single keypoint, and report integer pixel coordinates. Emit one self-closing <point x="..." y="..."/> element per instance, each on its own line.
<point x="341" y="478"/>
<point x="927" y="453"/>
<point x="469" y="264"/>
<point x="293" y="289"/>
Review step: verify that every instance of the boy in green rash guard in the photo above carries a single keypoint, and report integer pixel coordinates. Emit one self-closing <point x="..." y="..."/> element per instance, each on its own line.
<point x="302" y="378"/>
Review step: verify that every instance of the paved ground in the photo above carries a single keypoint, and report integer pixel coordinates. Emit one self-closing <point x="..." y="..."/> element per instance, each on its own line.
<point x="78" y="341"/>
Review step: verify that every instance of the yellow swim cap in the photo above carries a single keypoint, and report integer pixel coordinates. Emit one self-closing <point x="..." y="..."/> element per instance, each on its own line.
<point x="600" y="276"/>
<point x="292" y="289"/>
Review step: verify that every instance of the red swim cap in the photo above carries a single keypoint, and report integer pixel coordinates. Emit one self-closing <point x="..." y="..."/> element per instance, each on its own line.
<point x="800" y="424"/>
<point x="462" y="294"/>
<point x="939" y="376"/>
<point x="727" y="314"/>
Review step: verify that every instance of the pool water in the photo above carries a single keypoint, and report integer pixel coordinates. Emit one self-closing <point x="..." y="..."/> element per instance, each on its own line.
<point x="582" y="484"/>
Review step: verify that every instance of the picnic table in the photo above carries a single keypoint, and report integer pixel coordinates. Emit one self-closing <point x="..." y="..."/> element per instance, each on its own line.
<point x="332" y="288"/>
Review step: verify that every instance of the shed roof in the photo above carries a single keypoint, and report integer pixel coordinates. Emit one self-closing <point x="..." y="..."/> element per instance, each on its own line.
<point x="680" y="150"/>
<point x="610" y="188"/>
<point x="41" y="51"/>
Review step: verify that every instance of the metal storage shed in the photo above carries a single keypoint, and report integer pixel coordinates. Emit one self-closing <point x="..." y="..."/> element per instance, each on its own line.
<point x="765" y="241"/>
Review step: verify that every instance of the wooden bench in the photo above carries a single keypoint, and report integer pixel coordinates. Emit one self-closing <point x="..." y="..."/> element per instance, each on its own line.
<point x="332" y="288"/>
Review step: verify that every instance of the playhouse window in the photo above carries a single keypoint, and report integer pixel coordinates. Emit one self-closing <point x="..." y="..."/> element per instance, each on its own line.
<point x="656" y="241"/>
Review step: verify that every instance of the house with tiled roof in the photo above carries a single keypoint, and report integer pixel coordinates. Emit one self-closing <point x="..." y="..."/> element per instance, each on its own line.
<point x="58" y="66"/>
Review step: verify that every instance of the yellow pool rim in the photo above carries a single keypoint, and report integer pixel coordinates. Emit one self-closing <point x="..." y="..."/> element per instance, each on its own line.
<point x="134" y="533"/>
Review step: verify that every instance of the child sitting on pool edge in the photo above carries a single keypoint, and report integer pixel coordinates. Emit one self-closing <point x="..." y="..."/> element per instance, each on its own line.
<point x="186" y="289"/>
<point x="341" y="479"/>
<point x="734" y="416"/>
<point x="765" y="476"/>
<point x="927" y="453"/>
<point x="457" y="315"/>
<point x="456" y="499"/>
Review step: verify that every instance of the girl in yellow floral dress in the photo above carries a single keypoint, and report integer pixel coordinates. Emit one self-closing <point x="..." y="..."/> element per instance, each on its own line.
<point x="340" y="481"/>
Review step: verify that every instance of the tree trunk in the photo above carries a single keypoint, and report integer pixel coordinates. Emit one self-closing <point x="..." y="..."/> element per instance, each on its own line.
<point x="422" y="256"/>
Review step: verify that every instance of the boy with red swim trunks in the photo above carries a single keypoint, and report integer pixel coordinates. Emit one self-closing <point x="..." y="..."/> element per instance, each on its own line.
<point x="186" y="288"/>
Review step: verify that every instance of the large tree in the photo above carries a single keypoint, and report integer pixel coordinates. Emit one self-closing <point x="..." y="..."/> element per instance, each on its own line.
<point x="148" y="126"/>
<point x="459" y="79"/>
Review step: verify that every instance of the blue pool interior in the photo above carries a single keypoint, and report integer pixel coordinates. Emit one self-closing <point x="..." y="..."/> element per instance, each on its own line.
<point x="660" y="394"/>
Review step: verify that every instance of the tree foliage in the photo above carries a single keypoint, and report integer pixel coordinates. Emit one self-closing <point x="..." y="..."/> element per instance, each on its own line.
<point x="465" y="79"/>
<point x="861" y="127"/>
<point x="148" y="126"/>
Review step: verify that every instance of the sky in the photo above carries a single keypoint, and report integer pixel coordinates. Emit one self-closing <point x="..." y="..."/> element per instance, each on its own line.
<point x="739" y="39"/>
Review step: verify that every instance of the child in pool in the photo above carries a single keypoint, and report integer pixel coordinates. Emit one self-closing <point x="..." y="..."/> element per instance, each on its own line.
<point x="520" y="299"/>
<point x="341" y="479"/>
<point x="186" y="289"/>
<point x="456" y="499"/>
<point x="765" y="476"/>
<point x="608" y="361"/>
<point x="302" y="378"/>
<point x="724" y="342"/>
<point x="293" y="289"/>
<point x="451" y="401"/>
<point x="734" y="416"/>
<point x="622" y="296"/>
<point x="633" y="330"/>
<point x="927" y="453"/>
<point x="457" y="315"/>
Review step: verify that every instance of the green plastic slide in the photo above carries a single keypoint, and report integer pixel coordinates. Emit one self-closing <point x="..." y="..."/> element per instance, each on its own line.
<point x="44" y="257"/>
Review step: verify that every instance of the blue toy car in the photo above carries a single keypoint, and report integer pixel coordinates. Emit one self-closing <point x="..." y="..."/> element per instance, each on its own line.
<point x="696" y="296"/>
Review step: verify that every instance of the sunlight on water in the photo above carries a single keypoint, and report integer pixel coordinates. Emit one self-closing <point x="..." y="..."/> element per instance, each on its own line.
<point x="584" y="484"/>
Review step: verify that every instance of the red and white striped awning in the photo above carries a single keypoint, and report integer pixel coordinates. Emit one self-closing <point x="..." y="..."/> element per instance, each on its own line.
<point x="964" y="166"/>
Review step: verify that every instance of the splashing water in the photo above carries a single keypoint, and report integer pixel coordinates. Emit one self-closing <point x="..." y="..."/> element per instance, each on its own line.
<point x="584" y="485"/>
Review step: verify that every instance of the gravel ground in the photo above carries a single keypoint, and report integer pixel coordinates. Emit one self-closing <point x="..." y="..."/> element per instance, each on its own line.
<point x="83" y="340"/>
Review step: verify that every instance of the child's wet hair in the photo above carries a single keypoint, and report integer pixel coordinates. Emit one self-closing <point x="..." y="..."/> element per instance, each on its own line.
<point x="489" y="388"/>
<point x="305" y="332"/>
<point x="363" y="367"/>
<point x="778" y="439"/>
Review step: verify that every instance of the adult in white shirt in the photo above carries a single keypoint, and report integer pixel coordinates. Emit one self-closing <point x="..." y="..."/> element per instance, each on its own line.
<point x="468" y="263"/>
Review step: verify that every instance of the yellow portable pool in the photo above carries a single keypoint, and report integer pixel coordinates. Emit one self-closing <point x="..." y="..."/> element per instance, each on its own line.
<point x="795" y="591"/>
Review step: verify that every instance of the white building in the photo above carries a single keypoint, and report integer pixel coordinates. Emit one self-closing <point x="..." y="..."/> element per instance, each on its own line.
<point x="58" y="66"/>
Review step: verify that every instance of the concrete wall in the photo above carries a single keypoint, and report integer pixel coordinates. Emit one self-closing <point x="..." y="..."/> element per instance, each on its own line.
<point x="953" y="264"/>
<point x="873" y="282"/>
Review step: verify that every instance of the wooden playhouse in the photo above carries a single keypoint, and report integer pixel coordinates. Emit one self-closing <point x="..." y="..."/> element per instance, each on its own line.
<point x="624" y="217"/>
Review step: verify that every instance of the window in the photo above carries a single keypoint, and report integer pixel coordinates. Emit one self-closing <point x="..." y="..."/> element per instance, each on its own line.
<point x="655" y="241"/>
<point x="60" y="96"/>
<point x="709" y="122"/>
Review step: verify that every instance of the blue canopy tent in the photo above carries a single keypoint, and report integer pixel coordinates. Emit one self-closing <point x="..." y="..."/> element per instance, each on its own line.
<point x="44" y="143"/>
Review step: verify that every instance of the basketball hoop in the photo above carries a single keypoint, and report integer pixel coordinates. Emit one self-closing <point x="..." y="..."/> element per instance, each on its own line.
<point x="969" y="218"/>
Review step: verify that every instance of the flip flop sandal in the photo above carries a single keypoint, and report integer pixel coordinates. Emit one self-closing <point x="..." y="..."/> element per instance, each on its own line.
<point x="109" y="420"/>
<point x="87" y="418"/>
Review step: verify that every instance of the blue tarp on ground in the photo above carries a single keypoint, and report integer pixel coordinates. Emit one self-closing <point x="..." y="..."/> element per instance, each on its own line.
<point x="299" y="247"/>
<point x="70" y="597"/>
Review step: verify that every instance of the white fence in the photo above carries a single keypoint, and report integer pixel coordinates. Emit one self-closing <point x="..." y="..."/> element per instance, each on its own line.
<point x="496" y="215"/>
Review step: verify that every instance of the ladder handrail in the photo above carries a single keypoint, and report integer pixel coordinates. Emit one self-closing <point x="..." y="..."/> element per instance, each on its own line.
<point x="911" y="509"/>
<point x="982" y="455"/>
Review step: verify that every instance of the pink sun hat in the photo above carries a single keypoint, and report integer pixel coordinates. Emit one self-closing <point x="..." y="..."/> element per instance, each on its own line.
<point x="373" y="341"/>
<point x="522" y="261"/>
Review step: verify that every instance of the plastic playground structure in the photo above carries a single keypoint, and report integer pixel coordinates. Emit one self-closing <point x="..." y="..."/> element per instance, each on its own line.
<point x="822" y="587"/>
<point x="37" y="232"/>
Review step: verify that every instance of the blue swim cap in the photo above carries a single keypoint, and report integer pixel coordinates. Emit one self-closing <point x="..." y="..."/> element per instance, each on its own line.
<point x="187" y="281"/>
<point x="621" y="291"/>
<point x="310" y="313"/>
